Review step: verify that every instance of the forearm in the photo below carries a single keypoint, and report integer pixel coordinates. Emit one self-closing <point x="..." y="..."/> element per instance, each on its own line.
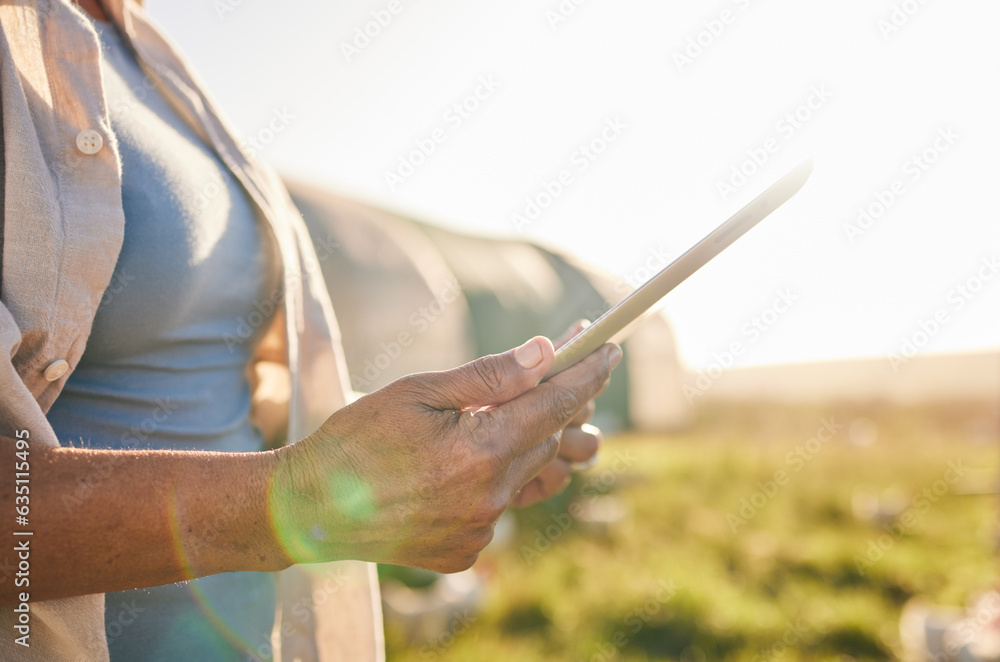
<point x="110" y="520"/>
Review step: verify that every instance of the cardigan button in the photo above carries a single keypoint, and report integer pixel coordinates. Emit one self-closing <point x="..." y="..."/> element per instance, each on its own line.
<point x="56" y="370"/>
<point x="89" y="141"/>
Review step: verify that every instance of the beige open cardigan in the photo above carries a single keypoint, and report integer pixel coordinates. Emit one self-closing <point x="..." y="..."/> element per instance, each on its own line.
<point x="62" y="231"/>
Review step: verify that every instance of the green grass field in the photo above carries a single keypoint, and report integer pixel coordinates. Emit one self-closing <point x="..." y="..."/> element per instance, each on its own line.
<point x="740" y="541"/>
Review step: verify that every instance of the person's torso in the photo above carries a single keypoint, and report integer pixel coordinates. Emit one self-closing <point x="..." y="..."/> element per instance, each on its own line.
<point x="195" y="285"/>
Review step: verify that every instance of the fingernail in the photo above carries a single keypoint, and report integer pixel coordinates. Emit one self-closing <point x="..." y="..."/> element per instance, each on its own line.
<point x="583" y="466"/>
<point x="615" y="357"/>
<point x="528" y="355"/>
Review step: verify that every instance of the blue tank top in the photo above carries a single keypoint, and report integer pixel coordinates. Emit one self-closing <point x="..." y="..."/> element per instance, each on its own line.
<point x="195" y="285"/>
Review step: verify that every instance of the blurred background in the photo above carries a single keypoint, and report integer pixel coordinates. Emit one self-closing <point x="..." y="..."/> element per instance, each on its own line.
<point x="804" y="464"/>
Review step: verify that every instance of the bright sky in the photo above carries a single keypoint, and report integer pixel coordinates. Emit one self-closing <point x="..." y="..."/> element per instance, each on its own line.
<point x="645" y="109"/>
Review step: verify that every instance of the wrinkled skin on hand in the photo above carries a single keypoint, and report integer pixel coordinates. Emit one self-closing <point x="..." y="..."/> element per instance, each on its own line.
<point x="418" y="472"/>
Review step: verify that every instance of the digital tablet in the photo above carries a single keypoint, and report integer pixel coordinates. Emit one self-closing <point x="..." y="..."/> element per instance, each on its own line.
<point x="612" y="323"/>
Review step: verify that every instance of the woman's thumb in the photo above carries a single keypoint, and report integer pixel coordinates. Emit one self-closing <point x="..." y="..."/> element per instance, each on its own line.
<point x="494" y="379"/>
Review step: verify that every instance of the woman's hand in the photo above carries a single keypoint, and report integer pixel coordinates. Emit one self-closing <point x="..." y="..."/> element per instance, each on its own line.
<point x="418" y="472"/>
